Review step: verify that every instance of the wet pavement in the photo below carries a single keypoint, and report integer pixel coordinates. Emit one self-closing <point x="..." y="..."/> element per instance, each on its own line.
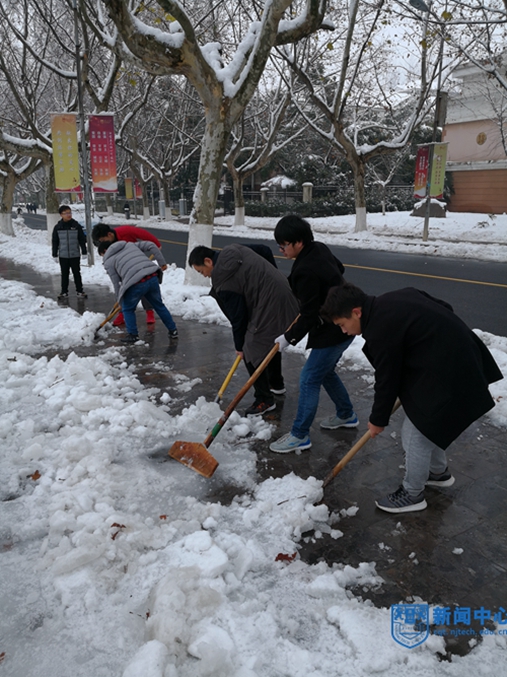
<point x="413" y="552"/>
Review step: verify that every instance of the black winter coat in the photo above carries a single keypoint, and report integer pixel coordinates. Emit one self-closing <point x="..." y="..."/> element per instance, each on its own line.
<point x="314" y="272"/>
<point x="68" y="239"/>
<point x="255" y="297"/>
<point x="428" y="357"/>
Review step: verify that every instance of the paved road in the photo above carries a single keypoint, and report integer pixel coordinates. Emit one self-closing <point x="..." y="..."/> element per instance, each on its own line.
<point x="476" y="289"/>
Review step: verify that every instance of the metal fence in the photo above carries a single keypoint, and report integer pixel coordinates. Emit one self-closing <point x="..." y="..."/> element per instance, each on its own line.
<point x="181" y="202"/>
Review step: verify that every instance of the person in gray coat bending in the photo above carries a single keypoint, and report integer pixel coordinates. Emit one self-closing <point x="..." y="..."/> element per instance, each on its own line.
<point x="257" y="300"/>
<point x="68" y="242"/>
<point x="134" y="276"/>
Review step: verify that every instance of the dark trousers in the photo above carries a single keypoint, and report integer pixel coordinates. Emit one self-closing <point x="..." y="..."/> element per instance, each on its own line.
<point x="66" y="265"/>
<point x="271" y="377"/>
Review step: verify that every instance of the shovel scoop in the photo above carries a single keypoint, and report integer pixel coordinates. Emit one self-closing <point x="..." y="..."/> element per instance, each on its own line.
<point x="196" y="455"/>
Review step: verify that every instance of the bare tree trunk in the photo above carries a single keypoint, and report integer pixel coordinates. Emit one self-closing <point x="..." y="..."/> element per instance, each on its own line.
<point x="52" y="215"/>
<point x="109" y="204"/>
<point x="205" y="197"/>
<point x="8" y="183"/>
<point x="358" y="168"/>
<point x="146" y="201"/>
<point x="239" y="201"/>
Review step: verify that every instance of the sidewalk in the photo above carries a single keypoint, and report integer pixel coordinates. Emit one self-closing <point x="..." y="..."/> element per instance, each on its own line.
<point x="452" y="554"/>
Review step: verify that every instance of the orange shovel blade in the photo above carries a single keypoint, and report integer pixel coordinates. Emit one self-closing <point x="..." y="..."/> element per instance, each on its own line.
<point x="195" y="456"/>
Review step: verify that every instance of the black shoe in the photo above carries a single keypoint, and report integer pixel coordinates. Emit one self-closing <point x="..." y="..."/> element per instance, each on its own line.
<point x="130" y="338"/>
<point x="81" y="295"/>
<point x="259" y="407"/>
<point x="445" y="479"/>
<point x="63" y="295"/>
<point x="173" y="334"/>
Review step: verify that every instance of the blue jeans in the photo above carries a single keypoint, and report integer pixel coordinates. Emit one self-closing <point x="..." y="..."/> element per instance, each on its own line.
<point x="150" y="290"/>
<point x="319" y="370"/>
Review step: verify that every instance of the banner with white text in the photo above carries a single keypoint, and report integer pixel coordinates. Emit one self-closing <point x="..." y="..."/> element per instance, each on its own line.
<point x="103" y="154"/>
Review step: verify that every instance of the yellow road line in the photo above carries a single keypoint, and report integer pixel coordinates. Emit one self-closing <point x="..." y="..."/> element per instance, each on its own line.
<point x="434" y="277"/>
<point x="387" y="270"/>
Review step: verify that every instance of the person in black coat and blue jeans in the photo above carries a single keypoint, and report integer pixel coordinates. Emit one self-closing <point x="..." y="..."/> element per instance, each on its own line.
<point x="440" y="370"/>
<point x="314" y="272"/>
<point x="68" y="242"/>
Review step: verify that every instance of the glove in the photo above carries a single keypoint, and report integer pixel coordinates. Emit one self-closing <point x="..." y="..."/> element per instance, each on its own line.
<point x="282" y="342"/>
<point x="55" y="259"/>
<point x="84" y="257"/>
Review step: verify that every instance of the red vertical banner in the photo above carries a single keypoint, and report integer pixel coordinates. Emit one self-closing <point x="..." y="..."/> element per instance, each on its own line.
<point x="103" y="154"/>
<point x="421" y="171"/>
<point x="138" y="188"/>
<point x="129" y="193"/>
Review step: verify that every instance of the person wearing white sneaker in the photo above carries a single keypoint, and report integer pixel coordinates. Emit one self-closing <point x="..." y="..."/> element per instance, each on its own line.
<point x="438" y="367"/>
<point x="314" y="272"/>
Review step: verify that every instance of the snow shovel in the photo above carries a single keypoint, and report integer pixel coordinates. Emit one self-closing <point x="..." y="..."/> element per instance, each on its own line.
<point x="196" y="455"/>
<point x="228" y="378"/>
<point x="352" y="452"/>
<point x="114" y="311"/>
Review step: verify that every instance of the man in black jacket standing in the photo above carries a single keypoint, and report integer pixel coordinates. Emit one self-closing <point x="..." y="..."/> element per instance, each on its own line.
<point x="425" y="355"/>
<point x="68" y="241"/>
<point x="314" y="272"/>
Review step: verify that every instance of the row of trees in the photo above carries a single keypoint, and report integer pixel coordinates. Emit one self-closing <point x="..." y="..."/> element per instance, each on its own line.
<point x="234" y="82"/>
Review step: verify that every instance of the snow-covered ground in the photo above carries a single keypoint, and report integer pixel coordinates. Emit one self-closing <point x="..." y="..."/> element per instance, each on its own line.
<point x="114" y="564"/>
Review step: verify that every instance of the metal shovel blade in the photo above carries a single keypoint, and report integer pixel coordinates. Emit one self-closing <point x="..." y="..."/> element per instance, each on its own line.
<point x="195" y="456"/>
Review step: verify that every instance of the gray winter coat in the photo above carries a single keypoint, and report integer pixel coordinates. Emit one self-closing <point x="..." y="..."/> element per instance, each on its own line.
<point x="68" y="239"/>
<point x="256" y="297"/>
<point x="126" y="264"/>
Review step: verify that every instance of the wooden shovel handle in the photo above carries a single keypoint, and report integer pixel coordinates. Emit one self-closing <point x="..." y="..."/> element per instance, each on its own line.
<point x="353" y="451"/>
<point x="114" y="311"/>
<point x="219" y="425"/>
<point x="228" y="378"/>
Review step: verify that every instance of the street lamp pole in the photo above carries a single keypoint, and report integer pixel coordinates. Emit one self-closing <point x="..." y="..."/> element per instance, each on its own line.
<point x="84" y="156"/>
<point x="423" y="7"/>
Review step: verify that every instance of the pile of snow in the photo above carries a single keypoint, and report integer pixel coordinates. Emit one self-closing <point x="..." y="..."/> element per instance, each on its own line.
<point x="114" y="560"/>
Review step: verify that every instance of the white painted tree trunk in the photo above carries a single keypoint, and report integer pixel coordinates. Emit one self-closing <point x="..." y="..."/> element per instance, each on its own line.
<point x="7" y="203"/>
<point x="51" y="221"/>
<point x="359" y="169"/>
<point x="198" y="234"/>
<point x="6" y="224"/>
<point x="361" y="224"/>
<point x="146" y="213"/>
<point x="239" y="216"/>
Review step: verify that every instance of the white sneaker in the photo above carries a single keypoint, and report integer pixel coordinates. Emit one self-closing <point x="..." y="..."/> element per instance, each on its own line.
<point x="289" y="442"/>
<point x="334" y="422"/>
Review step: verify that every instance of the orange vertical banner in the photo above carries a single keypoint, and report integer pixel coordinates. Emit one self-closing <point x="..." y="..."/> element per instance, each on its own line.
<point x="129" y="193"/>
<point x="138" y="188"/>
<point x="103" y="153"/>
<point x="65" y="152"/>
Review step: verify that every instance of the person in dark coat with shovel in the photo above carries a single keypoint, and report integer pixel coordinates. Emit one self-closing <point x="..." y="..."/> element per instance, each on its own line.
<point x="314" y="272"/>
<point x="428" y="357"/>
<point x="256" y="298"/>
